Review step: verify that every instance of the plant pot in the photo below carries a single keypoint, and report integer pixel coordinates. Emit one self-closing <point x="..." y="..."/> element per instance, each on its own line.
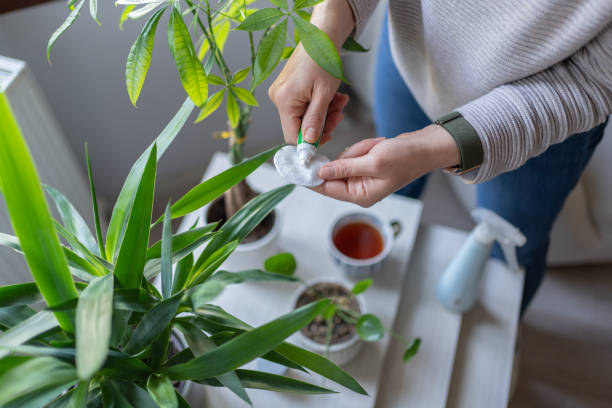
<point x="341" y="352"/>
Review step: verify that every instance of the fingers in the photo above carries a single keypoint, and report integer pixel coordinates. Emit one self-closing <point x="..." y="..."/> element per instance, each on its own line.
<point x="345" y="168"/>
<point x="360" y="148"/>
<point x="314" y="118"/>
<point x="291" y="126"/>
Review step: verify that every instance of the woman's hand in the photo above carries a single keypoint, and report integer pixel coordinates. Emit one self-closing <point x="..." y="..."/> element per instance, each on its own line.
<point x="372" y="169"/>
<point x="306" y="95"/>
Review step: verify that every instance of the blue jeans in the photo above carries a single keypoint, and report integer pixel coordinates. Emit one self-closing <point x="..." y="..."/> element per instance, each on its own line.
<point x="530" y="197"/>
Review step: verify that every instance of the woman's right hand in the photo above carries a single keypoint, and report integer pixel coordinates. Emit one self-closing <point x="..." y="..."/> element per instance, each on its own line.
<point x="306" y="95"/>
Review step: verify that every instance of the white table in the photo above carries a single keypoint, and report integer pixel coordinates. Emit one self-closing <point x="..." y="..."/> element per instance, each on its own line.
<point x="464" y="361"/>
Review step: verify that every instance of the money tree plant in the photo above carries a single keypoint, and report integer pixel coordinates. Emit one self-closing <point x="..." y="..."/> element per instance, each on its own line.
<point x="197" y="31"/>
<point x="93" y="331"/>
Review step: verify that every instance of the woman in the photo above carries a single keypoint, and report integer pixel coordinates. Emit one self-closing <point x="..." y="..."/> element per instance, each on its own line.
<point x="520" y="90"/>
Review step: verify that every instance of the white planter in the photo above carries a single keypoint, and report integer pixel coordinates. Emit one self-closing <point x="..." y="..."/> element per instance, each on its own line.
<point x="340" y="353"/>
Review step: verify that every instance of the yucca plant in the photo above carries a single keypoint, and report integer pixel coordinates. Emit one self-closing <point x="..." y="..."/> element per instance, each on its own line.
<point x="202" y="65"/>
<point x="92" y="330"/>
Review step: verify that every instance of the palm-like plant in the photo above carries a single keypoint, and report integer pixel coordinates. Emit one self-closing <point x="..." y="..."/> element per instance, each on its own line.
<point x="102" y="336"/>
<point x="211" y="24"/>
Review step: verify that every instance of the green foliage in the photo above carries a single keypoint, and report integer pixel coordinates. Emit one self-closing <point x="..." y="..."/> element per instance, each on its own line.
<point x="361" y="286"/>
<point x="412" y="349"/>
<point x="74" y="13"/>
<point x="261" y="19"/>
<point x="269" y="52"/>
<point x="370" y="328"/>
<point x="283" y="263"/>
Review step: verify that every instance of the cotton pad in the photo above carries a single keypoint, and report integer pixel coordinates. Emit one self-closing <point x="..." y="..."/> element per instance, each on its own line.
<point x="288" y="165"/>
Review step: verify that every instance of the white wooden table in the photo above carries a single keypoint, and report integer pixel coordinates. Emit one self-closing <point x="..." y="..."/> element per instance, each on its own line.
<point x="463" y="361"/>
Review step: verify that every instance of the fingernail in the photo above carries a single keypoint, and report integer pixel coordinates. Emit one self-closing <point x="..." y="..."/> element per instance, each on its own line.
<point x="310" y="136"/>
<point x="327" y="172"/>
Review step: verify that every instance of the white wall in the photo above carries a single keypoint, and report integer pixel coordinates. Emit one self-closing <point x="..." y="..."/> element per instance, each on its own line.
<point x="85" y="88"/>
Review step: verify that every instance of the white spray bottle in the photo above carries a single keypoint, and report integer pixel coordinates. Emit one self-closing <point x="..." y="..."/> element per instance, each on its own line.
<point x="459" y="285"/>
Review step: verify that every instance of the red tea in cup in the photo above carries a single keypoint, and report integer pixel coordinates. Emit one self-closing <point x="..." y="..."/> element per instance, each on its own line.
<point x="358" y="240"/>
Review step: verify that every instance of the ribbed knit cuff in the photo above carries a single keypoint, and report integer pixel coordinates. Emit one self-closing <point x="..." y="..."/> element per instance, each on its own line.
<point x="362" y="10"/>
<point x="468" y="142"/>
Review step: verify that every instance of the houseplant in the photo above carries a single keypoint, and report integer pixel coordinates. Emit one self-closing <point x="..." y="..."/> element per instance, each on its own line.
<point x="199" y="71"/>
<point x="100" y="333"/>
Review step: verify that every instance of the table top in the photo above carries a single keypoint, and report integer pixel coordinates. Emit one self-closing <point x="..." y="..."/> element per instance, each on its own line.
<point x="464" y="360"/>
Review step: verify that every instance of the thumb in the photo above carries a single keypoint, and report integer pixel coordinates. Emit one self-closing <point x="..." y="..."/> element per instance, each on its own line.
<point x="345" y="168"/>
<point x="314" y="118"/>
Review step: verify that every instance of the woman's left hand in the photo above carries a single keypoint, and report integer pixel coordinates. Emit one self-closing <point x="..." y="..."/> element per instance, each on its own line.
<point x="372" y="169"/>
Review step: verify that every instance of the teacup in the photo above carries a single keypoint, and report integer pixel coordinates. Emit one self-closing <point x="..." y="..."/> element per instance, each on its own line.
<point x="359" y="242"/>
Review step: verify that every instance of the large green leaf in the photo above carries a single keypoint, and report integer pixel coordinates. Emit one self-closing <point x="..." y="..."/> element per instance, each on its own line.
<point x="181" y="273"/>
<point x="166" y="255"/>
<point x="30" y="217"/>
<point x="247" y="346"/>
<point x="28" y="329"/>
<point x="211" y="264"/>
<point x="351" y="45"/>
<point x="312" y="361"/>
<point x="94" y="203"/>
<point x="269" y="52"/>
<point x="132" y="254"/>
<point x="233" y="110"/>
<point x="153" y="324"/>
<point x="33" y="376"/>
<point x="212" y="104"/>
<point x="19" y="294"/>
<point x="138" y="397"/>
<point x="271" y="382"/>
<point x="261" y="19"/>
<point x="280" y="3"/>
<point x="183" y="240"/>
<point x="162" y="391"/>
<point x="212" y="188"/>
<point x="302" y="4"/>
<point x="13" y="315"/>
<point x="126" y="196"/>
<point x="93" y="325"/>
<point x="318" y="45"/>
<point x="72" y="220"/>
<point x="283" y="263"/>
<point x="96" y="262"/>
<point x="139" y="58"/>
<point x="244" y="95"/>
<point x="189" y="67"/>
<point x="245" y="220"/>
<point x="111" y="397"/>
<point x="65" y="25"/>
<point x="200" y="344"/>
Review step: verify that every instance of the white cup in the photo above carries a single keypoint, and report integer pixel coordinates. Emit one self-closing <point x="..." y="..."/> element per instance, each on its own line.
<point x="362" y="268"/>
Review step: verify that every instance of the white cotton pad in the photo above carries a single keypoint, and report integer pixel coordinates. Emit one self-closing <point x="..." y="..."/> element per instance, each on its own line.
<point x="288" y="165"/>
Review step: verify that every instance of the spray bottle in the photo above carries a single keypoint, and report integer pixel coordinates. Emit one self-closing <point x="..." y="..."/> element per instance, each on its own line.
<point x="459" y="285"/>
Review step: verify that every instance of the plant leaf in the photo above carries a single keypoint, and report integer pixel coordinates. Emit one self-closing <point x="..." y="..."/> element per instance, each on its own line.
<point x="215" y="79"/>
<point x="111" y="397"/>
<point x="214" y="261"/>
<point x="412" y="349"/>
<point x="28" y="329"/>
<point x="30" y="217"/>
<point x="153" y="324"/>
<point x="240" y="75"/>
<point x="329" y="311"/>
<point x="182" y="240"/>
<point x="287" y="51"/>
<point x="124" y="202"/>
<point x="212" y="188"/>
<point x="166" y="254"/>
<point x="144" y="10"/>
<point x="93" y="326"/>
<point x="181" y="273"/>
<point x="245" y="96"/>
<point x="233" y="111"/>
<point x="351" y="45"/>
<point x="283" y="263"/>
<point x="261" y="19"/>
<point x="19" y="294"/>
<point x="189" y="67"/>
<point x="139" y="58"/>
<point x="271" y="382"/>
<point x="247" y="346"/>
<point x="200" y="344"/>
<point x="63" y="27"/>
<point x="162" y="391"/>
<point x="98" y="263"/>
<point x="136" y="396"/>
<point x="302" y="4"/>
<point x="280" y="3"/>
<point x="212" y="104"/>
<point x="33" y="376"/>
<point x="131" y="259"/>
<point x="245" y="220"/>
<point x="93" y="10"/>
<point x="220" y="32"/>
<point x="269" y="52"/>
<point x="72" y="220"/>
<point x="370" y="328"/>
<point x="362" y="286"/>
<point x="94" y="203"/>
<point x="320" y="48"/>
<point x="124" y="14"/>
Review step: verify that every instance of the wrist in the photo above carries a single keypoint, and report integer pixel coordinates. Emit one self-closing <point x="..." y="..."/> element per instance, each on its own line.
<point x="436" y="146"/>
<point x="335" y="18"/>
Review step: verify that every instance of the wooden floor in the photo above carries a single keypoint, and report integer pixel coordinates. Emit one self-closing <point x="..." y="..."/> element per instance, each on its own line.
<point x="566" y="342"/>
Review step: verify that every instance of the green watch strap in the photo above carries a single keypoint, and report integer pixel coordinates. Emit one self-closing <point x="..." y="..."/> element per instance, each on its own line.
<point x="470" y="146"/>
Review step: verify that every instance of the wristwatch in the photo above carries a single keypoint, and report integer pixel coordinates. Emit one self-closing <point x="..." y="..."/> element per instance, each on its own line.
<point x="470" y="146"/>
